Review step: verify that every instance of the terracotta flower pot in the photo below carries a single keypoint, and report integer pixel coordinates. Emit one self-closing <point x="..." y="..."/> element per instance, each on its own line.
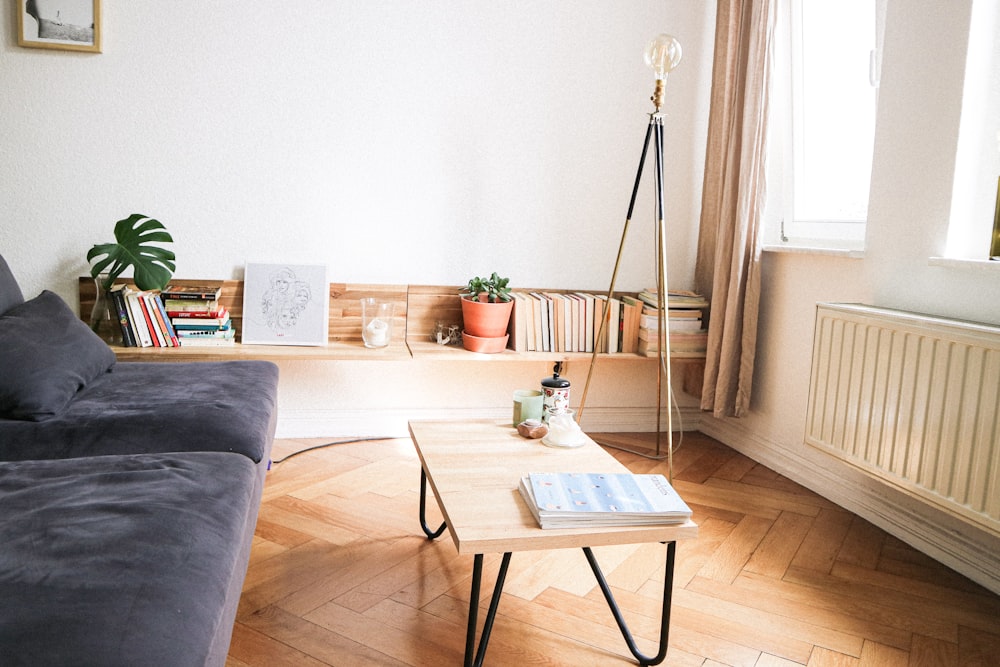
<point x="485" y="319"/>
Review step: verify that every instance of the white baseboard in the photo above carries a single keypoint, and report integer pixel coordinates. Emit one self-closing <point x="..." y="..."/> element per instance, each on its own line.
<point x="965" y="548"/>
<point x="390" y="423"/>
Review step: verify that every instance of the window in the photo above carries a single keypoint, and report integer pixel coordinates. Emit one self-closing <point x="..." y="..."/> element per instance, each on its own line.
<point x="823" y="121"/>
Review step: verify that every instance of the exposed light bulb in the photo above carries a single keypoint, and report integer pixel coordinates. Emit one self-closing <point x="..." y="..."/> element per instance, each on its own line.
<point x="662" y="54"/>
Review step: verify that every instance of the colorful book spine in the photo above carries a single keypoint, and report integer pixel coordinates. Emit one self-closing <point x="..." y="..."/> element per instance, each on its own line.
<point x="138" y="320"/>
<point x="161" y="314"/>
<point x="147" y="313"/>
<point x="191" y="293"/>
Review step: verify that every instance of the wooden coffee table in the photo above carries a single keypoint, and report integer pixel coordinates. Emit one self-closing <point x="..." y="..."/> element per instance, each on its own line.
<point x="474" y="468"/>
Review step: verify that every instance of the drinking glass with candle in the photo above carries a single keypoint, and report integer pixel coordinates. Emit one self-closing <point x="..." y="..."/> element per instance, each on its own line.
<point x="376" y="322"/>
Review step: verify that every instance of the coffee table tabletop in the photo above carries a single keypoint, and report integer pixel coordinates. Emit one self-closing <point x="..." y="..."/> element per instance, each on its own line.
<point x="474" y="468"/>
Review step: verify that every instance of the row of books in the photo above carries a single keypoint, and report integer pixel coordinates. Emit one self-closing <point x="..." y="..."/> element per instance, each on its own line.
<point x="571" y="322"/>
<point x="569" y="500"/>
<point x="173" y="317"/>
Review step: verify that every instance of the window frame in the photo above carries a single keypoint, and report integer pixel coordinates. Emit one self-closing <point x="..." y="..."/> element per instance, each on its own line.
<point x="782" y="230"/>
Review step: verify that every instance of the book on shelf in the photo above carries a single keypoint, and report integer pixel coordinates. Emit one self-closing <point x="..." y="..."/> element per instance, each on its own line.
<point x="206" y="312"/>
<point x="682" y="344"/>
<point x="569" y="500"/>
<point x="136" y="319"/>
<point x="518" y="323"/>
<point x="200" y="319"/>
<point x="632" y="312"/>
<point x="196" y="307"/>
<point x="228" y="332"/>
<point x="210" y="339"/>
<point x="154" y="332"/>
<point x="587" y="324"/>
<point x="201" y="325"/>
<point x="191" y="292"/>
<point x="677" y="319"/>
<point x="675" y="299"/>
<point x="121" y="310"/>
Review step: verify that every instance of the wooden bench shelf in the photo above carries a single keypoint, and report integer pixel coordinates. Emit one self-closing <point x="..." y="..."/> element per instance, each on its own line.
<point x="418" y="309"/>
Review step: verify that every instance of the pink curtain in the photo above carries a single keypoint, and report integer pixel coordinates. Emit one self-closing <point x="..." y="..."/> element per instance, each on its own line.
<point x="728" y="264"/>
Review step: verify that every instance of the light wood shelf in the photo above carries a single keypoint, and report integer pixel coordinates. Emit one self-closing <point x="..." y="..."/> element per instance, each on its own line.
<point x="418" y="309"/>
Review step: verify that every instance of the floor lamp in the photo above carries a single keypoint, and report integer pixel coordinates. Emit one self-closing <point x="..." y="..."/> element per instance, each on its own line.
<point x="662" y="55"/>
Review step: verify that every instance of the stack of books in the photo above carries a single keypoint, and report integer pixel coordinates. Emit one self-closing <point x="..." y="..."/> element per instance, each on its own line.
<point x="197" y="316"/>
<point x="572" y="500"/>
<point x="688" y="337"/>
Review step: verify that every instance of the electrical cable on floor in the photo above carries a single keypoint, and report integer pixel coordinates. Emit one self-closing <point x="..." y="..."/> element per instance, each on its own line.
<point x="329" y="444"/>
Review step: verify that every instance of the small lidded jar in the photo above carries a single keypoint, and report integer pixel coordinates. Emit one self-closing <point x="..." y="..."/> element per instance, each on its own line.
<point x="555" y="394"/>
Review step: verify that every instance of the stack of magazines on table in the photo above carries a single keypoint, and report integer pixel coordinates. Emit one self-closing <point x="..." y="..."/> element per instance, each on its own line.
<point x="570" y="500"/>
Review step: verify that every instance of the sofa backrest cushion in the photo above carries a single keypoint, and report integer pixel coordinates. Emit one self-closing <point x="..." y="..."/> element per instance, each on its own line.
<point x="10" y="291"/>
<point x="47" y="355"/>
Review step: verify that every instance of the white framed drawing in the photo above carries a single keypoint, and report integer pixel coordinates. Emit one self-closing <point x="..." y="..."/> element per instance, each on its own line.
<point x="285" y="304"/>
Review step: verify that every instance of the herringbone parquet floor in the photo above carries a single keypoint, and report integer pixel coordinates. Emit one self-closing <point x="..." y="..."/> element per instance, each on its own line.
<point x="341" y="574"/>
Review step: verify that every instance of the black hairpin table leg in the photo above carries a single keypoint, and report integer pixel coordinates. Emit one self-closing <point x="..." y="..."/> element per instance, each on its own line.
<point x="668" y="585"/>
<point x="431" y="534"/>
<point x="470" y="635"/>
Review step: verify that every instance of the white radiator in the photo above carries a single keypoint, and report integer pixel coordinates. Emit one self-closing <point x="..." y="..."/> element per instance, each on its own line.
<point x="912" y="399"/>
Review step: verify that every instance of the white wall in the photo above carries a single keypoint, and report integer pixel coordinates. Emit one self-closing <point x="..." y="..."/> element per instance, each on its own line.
<point x="914" y="164"/>
<point x="396" y="142"/>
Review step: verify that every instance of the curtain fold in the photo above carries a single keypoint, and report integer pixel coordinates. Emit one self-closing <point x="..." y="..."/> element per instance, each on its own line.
<point x="727" y="270"/>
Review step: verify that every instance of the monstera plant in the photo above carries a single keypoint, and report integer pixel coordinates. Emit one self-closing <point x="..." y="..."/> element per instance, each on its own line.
<point x="135" y="239"/>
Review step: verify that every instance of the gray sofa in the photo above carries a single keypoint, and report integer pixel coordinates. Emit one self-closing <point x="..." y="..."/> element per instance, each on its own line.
<point x="128" y="494"/>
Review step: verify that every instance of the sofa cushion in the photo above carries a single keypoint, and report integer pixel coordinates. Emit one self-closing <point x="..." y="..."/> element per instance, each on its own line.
<point x="122" y="560"/>
<point x="10" y="291"/>
<point x="150" y="407"/>
<point x="48" y="354"/>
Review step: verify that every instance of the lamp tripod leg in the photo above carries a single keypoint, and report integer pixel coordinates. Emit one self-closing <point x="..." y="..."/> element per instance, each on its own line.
<point x="653" y="130"/>
<point x="614" y="273"/>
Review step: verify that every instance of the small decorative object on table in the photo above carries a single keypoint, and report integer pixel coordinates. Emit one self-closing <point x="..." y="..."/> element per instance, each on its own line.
<point x="564" y="431"/>
<point x="555" y="392"/>
<point x="532" y="428"/>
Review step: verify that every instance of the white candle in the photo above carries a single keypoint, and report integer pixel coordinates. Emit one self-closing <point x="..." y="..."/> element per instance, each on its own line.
<point x="377" y="333"/>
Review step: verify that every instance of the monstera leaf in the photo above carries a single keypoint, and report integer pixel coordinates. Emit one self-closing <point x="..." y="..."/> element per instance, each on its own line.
<point x="135" y="235"/>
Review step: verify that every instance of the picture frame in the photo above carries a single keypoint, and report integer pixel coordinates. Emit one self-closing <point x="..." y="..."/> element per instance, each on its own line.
<point x="68" y="25"/>
<point x="285" y="304"/>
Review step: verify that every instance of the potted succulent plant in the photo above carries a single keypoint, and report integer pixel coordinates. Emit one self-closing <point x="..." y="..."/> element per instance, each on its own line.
<point x="486" y="309"/>
<point x="152" y="266"/>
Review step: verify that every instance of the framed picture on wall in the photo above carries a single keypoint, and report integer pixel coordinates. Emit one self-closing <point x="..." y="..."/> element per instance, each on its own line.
<point x="70" y="25"/>
<point x="285" y="304"/>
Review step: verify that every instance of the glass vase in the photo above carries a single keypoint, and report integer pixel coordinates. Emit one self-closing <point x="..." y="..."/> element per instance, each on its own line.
<point x="104" y="315"/>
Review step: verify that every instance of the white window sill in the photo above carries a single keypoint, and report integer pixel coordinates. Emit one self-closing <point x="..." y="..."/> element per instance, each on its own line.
<point x="805" y="248"/>
<point x="981" y="265"/>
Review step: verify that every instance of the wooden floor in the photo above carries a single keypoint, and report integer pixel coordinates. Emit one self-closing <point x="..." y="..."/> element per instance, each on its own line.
<point x="341" y="574"/>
